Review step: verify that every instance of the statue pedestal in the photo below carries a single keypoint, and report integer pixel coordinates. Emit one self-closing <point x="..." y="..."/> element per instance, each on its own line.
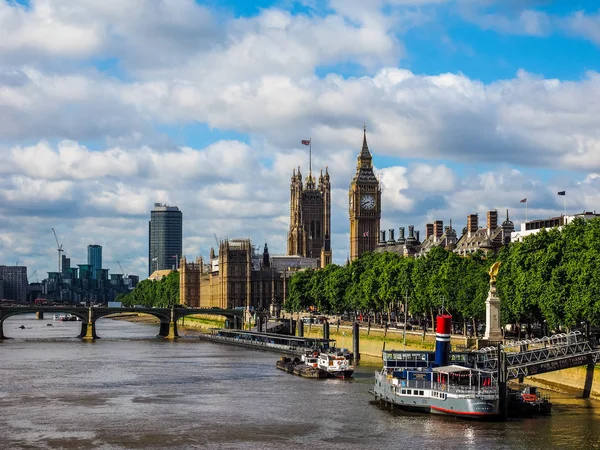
<point x="493" y="331"/>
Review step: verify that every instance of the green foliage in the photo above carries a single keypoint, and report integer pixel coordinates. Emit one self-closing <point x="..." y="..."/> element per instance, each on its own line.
<point x="162" y="294"/>
<point x="551" y="276"/>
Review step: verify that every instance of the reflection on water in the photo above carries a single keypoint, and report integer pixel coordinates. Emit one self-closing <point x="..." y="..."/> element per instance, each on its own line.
<point x="131" y="390"/>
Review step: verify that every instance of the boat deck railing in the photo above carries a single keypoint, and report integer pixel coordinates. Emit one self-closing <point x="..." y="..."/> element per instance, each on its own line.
<point x="469" y="391"/>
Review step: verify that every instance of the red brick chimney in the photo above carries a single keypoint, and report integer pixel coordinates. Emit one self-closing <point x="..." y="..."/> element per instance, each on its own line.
<point x="472" y="224"/>
<point x="428" y="230"/>
<point x="492" y="220"/>
<point x="438" y="228"/>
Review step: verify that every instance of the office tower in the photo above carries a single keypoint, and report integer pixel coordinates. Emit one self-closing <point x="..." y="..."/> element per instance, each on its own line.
<point x="14" y="282"/>
<point x="165" y="237"/>
<point x="94" y="258"/>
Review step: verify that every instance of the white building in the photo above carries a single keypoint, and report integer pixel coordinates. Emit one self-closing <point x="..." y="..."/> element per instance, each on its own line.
<point x="534" y="226"/>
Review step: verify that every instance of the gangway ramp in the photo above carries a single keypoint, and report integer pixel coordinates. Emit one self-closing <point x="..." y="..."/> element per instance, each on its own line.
<point x="537" y="356"/>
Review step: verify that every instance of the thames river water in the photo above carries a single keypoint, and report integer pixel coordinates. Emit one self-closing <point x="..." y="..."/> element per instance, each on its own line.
<point x="130" y="390"/>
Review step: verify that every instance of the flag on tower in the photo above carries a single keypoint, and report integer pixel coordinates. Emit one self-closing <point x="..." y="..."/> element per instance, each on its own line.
<point x="305" y="141"/>
<point x="523" y="200"/>
<point x="562" y="193"/>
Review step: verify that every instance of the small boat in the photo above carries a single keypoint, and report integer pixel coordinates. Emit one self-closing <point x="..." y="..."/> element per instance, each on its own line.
<point x="336" y="364"/>
<point x="305" y="367"/>
<point x="287" y="364"/>
<point x="57" y="316"/>
<point x="528" y="402"/>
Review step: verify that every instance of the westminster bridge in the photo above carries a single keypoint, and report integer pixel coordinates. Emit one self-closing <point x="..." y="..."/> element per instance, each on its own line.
<point x="88" y="316"/>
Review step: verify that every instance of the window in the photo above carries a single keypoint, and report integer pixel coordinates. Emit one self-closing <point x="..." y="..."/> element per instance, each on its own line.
<point x="408" y="392"/>
<point x="421" y="392"/>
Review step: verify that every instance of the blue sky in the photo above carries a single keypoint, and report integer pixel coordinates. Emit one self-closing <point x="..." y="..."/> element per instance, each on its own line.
<point x="107" y="108"/>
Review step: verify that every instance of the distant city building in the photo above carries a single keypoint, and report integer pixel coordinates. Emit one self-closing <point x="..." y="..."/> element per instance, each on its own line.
<point x="66" y="264"/>
<point x="535" y="226"/>
<point x="133" y="281"/>
<point x="165" y="238"/>
<point x="14" y="283"/>
<point x="94" y="259"/>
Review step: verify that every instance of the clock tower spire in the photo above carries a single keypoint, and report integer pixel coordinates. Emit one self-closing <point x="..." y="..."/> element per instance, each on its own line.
<point x="364" y="204"/>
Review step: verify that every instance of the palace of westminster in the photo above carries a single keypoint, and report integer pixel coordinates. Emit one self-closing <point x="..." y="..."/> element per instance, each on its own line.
<point x="238" y="276"/>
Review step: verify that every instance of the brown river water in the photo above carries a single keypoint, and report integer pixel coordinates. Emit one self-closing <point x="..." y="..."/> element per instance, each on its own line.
<point x="130" y="390"/>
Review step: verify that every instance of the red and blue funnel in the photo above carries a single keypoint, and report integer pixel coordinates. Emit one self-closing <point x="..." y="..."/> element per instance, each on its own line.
<point x="442" y="339"/>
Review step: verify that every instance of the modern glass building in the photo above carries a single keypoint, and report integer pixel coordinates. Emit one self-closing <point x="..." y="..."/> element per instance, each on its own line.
<point x="165" y="237"/>
<point x="94" y="258"/>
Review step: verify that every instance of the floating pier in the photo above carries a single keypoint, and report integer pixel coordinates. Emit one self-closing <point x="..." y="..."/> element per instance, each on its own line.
<point x="280" y="343"/>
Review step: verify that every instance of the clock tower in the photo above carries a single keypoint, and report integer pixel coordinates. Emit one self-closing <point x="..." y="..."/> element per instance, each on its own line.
<point x="364" y="205"/>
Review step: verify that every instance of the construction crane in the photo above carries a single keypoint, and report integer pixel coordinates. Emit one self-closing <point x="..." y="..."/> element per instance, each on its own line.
<point x="30" y="276"/>
<point x="59" y="249"/>
<point x="216" y="240"/>
<point x="120" y="267"/>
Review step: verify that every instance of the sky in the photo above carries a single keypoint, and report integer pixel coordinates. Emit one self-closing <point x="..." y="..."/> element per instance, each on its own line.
<point x="109" y="106"/>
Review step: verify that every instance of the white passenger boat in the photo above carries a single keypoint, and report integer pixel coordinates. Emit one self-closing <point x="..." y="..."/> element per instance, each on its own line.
<point x="336" y="364"/>
<point x="412" y="381"/>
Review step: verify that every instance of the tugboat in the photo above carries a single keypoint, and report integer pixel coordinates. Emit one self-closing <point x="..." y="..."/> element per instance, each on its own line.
<point x="336" y="364"/>
<point x="411" y="381"/>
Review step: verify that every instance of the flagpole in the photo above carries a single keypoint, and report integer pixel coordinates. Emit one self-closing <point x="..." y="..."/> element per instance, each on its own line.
<point x="309" y="155"/>
<point x="565" y="205"/>
<point x="526" y="207"/>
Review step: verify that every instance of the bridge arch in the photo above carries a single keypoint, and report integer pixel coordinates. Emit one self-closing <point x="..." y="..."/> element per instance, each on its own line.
<point x="89" y="315"/>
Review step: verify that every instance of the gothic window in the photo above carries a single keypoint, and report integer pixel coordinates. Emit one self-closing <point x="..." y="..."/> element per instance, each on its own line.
<point x="312" y="228"/>
<point x="318" y="229"/>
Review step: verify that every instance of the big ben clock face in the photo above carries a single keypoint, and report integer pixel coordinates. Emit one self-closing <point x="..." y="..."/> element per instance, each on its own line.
<point x="367" y="202"/>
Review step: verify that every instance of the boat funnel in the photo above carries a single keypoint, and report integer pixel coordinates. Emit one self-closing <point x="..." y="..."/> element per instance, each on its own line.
<point x="442" y="339"/>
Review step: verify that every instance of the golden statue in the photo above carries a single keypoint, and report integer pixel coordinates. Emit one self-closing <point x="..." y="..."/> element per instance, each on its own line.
<point x="493" y="272"/>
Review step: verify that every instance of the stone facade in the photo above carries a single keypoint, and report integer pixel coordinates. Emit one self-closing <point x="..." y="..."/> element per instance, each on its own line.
<point x="364" y="198"/>
<point x="239" y="277"/>
<point x="310" y="217"/>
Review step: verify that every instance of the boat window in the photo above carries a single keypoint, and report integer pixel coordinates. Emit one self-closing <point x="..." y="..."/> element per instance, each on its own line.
<point x="404" y="391"/>
<point x="408" y="392"/>
<point x="421" y="392"/>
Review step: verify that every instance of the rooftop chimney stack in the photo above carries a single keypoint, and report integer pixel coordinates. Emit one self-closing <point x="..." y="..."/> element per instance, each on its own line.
<point x="382" y="237"/>
<point x="391" y="240"/>
<point x="492" y="220"/>
<point x="472" y="224"/>
<point x="428" y="230"/>
<point x="438" y="228"/>
<point x="411" y="232"/>
<point x="401" y="239"/>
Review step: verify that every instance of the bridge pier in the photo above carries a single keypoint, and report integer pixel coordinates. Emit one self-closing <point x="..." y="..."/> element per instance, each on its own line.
<point x="168" y="330"/>
<point x="2" y="329"/>
<point x="88" y="331"/>
<point x="39" y="315"/>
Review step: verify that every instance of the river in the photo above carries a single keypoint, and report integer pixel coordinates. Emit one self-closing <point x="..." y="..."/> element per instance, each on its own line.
<point x="130" y="390"/>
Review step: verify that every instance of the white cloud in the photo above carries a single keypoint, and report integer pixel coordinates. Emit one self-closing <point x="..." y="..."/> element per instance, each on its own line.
<point x="87" y="88"/>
